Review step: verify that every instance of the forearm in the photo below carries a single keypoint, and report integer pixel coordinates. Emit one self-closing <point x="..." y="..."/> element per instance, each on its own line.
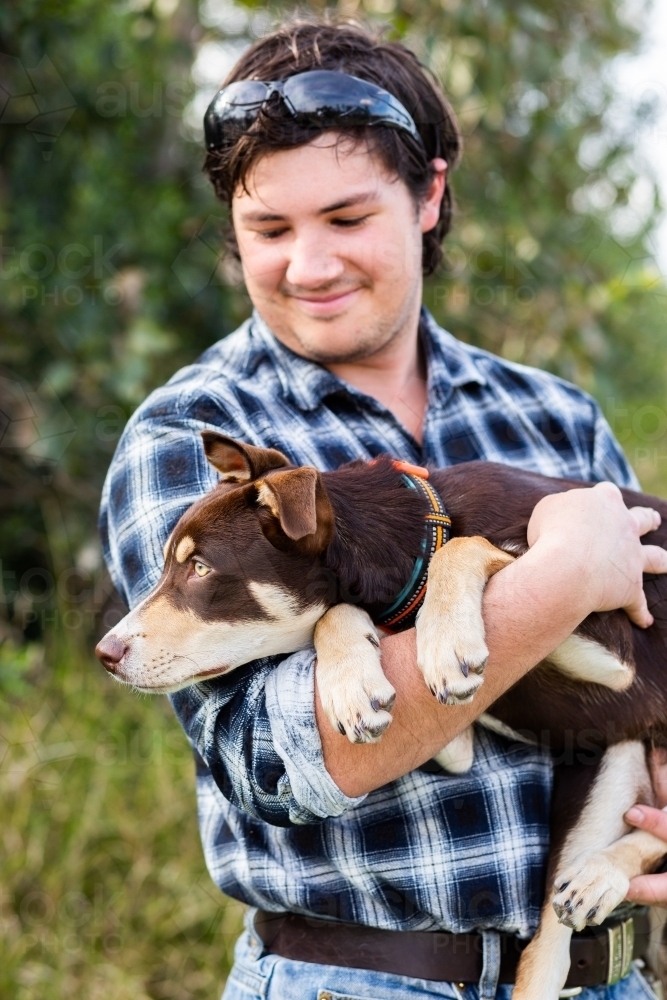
<point x="529" y="608"/>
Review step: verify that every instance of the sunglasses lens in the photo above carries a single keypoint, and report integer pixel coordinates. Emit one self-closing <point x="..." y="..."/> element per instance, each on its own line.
<point x="235" y="106"/>
<point x="244" y="93"/>
<point x="319" y="98"/>
<point x="325" y="97"/>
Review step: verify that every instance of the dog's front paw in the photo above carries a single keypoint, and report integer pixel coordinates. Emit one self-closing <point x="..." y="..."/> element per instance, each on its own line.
<point x="451" y="654"/>
<point x="588" y="892"/>
<point x="355" y="694"/>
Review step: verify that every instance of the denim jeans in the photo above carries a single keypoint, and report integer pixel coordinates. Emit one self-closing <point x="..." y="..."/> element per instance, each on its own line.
<point x="268" y="977"/>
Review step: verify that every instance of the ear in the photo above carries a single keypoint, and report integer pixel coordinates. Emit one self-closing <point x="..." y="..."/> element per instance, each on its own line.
<point x="299" y="504"/>
<point x="237" y="462"/>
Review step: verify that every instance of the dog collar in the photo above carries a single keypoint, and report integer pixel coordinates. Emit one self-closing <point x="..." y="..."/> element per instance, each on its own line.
<point x="403" y="612"/>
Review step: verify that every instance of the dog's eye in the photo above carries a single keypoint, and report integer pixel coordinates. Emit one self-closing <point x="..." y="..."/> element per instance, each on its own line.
<point x="201" y="569"/>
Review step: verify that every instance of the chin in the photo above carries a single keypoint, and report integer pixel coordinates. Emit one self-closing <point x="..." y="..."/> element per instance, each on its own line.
<point x="338" y="339"/>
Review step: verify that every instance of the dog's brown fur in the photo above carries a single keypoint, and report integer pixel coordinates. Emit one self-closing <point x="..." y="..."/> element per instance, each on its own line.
<point x="265" y="554"/>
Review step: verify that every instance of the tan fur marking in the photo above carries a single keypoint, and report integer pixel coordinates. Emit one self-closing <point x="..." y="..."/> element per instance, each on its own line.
<point x="170" y="647"/>
<point x="267" y="498"/>
<point x="349" y="675"/>
<point x="545" y="963"/>
<point x="585" y="660"/>
<point x="597" y="860"/>
<point x="165" y="547"/>
<point x="185" y="548"/>
<point x="458" y="756"/>
<point x="450" y="627"/>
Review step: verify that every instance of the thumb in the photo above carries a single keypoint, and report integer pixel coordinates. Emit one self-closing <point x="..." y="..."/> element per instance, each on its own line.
<point x="648" y="818"/>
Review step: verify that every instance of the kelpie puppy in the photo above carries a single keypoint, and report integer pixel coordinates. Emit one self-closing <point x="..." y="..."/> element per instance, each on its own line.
<point x="276" y="558"/>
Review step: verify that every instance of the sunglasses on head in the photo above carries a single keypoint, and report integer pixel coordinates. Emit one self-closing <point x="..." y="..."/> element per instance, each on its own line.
<point x="318" y="98"/>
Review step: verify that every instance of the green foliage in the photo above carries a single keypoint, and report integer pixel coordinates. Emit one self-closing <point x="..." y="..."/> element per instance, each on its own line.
<point x="111" y="278"/>
<point x="550" y="261"/>
<point x="95" y="210"/>
<point x="105" y="894"/>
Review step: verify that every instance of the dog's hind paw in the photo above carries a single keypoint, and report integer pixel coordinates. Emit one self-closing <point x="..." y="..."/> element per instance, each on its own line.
<point x="355" y="694"/>
<point x="588" y="892"/>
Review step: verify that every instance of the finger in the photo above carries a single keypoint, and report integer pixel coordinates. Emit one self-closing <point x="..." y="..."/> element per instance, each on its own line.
<point x="657" y="757"/>
<point x="649" y="890"/>
<point x="657" y="760"/>
<point x="638" y="612"/>
<point x="646" y="519"/>
<point x="648" y="818"/>
<point x="655" y="559"/>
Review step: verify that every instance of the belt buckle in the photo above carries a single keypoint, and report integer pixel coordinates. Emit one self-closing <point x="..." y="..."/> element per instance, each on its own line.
<point x="621" y="940"/>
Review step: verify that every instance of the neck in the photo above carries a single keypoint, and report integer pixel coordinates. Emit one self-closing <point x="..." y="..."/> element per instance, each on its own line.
<point x="379" y="528"/>
<point x="395" y="376"/>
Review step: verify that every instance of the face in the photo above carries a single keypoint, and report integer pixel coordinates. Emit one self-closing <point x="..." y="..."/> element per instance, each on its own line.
<point x="331" y="248"/>
<point x="240" y="577"/>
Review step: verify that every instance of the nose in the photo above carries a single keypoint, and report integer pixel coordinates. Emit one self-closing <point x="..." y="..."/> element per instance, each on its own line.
<point x="110" y="651"/>
<point x="312" y="264"/>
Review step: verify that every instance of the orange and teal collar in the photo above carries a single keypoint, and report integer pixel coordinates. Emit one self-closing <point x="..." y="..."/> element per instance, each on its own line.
<point x="403" y="612"/>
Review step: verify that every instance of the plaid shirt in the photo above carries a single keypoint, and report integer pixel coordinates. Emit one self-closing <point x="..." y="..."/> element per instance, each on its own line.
<point x="430" y="850"/>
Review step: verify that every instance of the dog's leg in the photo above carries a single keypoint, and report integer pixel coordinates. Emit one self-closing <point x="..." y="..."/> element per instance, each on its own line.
<point x="591" y="888"/>
<point x="451" y="651"/>
<point x="545" y="963"/>
<point x="355" y="694"/>
<point x="585" y="660"/>
<point x="457" y="757"/>
<point x="623" y="779"/>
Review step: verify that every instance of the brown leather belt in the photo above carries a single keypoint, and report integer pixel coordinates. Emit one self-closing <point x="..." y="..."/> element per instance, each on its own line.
<point x="599" y="955"/>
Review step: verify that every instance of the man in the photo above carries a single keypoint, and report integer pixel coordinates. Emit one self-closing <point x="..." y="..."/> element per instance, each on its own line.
<point x="340" y="199"/>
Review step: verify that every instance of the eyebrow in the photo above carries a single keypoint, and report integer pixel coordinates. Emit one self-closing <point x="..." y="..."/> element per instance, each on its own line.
<point x="357" y="199"/>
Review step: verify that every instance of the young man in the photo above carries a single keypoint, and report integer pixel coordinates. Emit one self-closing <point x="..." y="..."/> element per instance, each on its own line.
<point x="340" y="198"/>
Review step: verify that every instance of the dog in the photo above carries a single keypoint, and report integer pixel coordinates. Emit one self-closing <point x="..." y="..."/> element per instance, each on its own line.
<point x="277" y="558"/>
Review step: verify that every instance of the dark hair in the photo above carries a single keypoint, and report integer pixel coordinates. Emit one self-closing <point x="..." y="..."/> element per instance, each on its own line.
<point x="349" y="47"/>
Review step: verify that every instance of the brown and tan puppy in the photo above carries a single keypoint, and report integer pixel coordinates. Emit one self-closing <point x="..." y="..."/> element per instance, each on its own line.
<point x="276" y="558"/>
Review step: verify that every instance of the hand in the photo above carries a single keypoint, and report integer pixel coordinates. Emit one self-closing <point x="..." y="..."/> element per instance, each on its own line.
<point x="651" y="890"/>
<point x="603" y="536"/>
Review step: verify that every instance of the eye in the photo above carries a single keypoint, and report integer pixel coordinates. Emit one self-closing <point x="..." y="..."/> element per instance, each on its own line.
<point x="270" y="234"/>
<point x="200" y="568"/>
<point x="350" y="223"/>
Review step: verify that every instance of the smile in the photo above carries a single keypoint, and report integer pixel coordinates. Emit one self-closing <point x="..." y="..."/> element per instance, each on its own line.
<point x="326" y="305"/>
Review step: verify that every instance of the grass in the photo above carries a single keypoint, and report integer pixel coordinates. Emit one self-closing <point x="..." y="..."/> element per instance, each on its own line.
<point x="104" y="894"/>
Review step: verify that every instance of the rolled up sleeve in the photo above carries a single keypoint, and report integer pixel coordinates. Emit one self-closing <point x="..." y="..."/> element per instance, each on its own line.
<point x="290" y="702"/>
<point x="256" y="732"/>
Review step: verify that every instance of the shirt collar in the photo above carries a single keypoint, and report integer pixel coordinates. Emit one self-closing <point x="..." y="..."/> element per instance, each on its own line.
<point x="449" y="363"/>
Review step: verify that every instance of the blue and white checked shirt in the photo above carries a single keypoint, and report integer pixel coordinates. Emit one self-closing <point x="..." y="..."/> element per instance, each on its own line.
<point x="431" y="850"/>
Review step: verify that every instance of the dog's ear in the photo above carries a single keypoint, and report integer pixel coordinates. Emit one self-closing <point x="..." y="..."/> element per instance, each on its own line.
<point x="299" y="509"/>
<point x="237" y="462"/>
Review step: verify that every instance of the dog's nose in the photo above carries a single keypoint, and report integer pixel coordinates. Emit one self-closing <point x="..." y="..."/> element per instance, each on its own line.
<point x="110" y="651"/>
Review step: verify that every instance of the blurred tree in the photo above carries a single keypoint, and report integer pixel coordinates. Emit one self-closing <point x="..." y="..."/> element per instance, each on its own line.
<point x="109" y="254"/>
<point x="111" y="278"/>
<point x="110" y="271"/>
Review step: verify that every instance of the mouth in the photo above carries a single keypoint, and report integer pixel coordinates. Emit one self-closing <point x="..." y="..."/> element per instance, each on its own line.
<point x="329" y="304"/>
<point x="176" y="686"/>
<point x="215" y="672"/>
